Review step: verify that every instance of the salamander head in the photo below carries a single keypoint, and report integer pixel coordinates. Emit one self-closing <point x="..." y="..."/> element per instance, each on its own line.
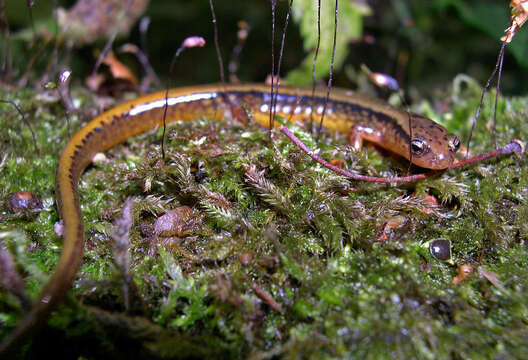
<point x="432" y="146"/>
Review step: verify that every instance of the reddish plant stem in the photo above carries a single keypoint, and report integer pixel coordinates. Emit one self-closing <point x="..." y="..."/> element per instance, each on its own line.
<point x="515" y="146"/>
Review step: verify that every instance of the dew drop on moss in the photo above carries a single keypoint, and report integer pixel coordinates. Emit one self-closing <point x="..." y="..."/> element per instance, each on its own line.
<point x="440" y="249"/>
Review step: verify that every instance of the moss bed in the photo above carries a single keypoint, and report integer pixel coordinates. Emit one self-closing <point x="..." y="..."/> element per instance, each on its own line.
<point x="347" y="264"/>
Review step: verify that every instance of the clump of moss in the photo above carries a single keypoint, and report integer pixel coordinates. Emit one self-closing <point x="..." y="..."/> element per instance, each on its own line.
<point x="350" y="282"/>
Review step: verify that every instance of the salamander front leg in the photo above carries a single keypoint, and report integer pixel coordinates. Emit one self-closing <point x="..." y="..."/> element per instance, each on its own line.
<point x="359" y="133"/>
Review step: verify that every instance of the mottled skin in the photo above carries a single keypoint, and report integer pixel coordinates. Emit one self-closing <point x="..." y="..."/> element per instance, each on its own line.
<point x="346" y="112"/>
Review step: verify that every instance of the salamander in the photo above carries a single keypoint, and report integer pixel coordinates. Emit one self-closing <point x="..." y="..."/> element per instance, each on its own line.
<point x="369" y="119"/>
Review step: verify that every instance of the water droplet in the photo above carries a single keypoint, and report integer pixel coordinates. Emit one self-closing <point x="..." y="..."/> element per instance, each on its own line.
<point x="440" y="249"/>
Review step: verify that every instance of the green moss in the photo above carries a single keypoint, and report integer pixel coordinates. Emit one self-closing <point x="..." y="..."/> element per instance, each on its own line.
<point x="313" y="241"/>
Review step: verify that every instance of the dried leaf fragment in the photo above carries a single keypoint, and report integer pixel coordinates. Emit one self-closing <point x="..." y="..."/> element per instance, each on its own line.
<point x="519" y="15"/>
<point x="267" y="298"/>
<point x="492" y="278"/>
<point x="90" y="20"/>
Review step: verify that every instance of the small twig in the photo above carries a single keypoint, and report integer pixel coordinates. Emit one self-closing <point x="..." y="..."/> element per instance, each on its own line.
<point x="515" y="146"/>
<point x="267" y="298"/>
<point x="26" y="122"/>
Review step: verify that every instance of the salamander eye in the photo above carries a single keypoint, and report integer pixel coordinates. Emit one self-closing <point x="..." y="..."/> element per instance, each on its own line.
<point x="418" y="146"/>
<point x="453" y="144"/>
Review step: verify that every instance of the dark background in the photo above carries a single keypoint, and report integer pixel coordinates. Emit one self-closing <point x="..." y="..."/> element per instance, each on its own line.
<point x="434" y="40"/>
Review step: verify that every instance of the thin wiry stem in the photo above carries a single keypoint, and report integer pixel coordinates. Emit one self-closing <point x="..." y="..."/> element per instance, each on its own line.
<point x="217" y="44"/>
<point x="30" y="4"/>
<point x="111" y="38"/>
<point x="497" y="93"/>
<point x="281" y="52"/>
<point x="316" y="54"/>
<point x="498" y="65"/>
<point x="5" y="66"/>
<point x="273" y="10"/>
<point x="26" y="122"/>
<point x="330" y="77"/>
